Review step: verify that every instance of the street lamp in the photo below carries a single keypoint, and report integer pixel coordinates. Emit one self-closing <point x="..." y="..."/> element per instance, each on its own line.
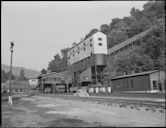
<point x="10" y="94"/>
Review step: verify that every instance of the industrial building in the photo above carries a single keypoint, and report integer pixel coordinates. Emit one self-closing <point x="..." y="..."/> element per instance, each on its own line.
<point x="87" y="59"/>
<point x="54" y="82"/>
<point x="144" y="81"/>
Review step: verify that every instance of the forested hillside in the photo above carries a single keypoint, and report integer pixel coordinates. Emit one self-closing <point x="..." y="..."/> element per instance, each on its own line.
<point x="29" y="73"/>
<point x="151" y="55"/>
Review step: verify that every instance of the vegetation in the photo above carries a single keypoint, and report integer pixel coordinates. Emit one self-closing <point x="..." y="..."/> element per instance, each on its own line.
<point x="43" y="71"/>
<point x="6" y="76"/>
<point x="59" y="64"/>
<point x="150" y="56"/>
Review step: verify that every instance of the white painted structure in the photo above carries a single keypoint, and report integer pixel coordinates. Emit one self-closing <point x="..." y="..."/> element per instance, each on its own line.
<point x="109" y="89"/>
<point x="33" y="82"/>
<point x="96" y="44"/>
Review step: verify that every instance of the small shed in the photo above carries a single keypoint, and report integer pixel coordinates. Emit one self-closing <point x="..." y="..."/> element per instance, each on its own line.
<point x="144" y="81"/>
<point x="55" y="81"/>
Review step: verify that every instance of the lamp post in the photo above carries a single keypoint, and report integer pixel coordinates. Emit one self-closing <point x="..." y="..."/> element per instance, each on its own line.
<point x="10" y="94"/>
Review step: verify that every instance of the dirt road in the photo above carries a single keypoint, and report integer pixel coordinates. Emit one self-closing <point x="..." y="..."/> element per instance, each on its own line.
<point x="41" y="111"/>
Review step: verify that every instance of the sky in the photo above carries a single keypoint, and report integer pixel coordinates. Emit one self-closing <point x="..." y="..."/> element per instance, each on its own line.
<point x="40" y="30"/>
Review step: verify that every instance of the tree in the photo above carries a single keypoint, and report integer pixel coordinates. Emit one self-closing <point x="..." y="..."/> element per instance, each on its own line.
<point x="59" y="64"/>
<point x="115" y="38"/>
<point x="54" y="65"/>
<point x="12" y="76"/>
<point x="43" y="71"/>
<point x="154" y="10"/>
<point x="105" y="29"/>
<point x="154" y="46"/>
<point x="64" y="64"/>
<point x="132" y="60"/>
<point x="93" y="31"/>
<point x="114" y="23"/>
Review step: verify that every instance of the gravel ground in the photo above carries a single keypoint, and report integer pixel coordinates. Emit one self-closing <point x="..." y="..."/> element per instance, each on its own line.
<point x="46" y="111"/>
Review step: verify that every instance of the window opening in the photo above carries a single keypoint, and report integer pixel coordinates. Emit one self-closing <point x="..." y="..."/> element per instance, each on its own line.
<point x="100" y="44"/>
<point x="99" y="38"/>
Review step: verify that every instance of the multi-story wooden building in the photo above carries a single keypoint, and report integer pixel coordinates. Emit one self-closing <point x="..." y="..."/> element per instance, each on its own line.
<point x="87" y="59"/>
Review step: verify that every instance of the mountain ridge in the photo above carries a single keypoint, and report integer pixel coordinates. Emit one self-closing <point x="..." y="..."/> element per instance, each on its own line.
<point x="29" y="73"/>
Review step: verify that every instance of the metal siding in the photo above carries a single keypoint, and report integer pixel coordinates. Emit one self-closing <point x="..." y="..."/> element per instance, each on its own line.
<point x="141" y="83"/>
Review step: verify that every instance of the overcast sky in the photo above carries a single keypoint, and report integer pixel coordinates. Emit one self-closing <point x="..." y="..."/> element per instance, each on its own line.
<point x="40" y="30"/>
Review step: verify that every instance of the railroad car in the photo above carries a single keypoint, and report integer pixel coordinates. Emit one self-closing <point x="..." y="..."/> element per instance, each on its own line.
<point x="87" y="59"/>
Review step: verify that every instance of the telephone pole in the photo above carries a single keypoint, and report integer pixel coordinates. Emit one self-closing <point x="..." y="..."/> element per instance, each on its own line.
<point x="10" y="93"/>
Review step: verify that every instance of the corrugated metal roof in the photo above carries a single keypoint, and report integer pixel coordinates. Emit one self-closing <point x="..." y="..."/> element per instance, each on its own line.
<point x="135" y="74"/>
<point x="129" y="41"/>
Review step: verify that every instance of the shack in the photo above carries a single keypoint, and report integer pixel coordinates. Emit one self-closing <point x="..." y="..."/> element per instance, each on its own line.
<point x="54" y="82"/>
<point x="145" y="81"/>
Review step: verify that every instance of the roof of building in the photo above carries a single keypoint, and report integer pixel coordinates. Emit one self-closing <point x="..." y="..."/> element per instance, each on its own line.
<point x="50" y="73"/>
<point x="84" y="40"/>
<point x="135" y="74"/>
<point x="123" y="44"/>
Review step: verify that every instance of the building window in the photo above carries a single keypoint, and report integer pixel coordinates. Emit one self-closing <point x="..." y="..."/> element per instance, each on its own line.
<point x="90" y="45"/>
<point x="84" y="44"/>
<point x="78" y="52"/>
<point x="78" y="48"/>
<point x="99" y="38"/>
<point x="91" y="39"/>
<point x="100" y="44"/>
<point x="84" y="49"/>
<point x="154" y="84"/>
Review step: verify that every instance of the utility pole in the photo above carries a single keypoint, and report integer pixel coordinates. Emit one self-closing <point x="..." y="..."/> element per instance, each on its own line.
<point x="10" y="93"/>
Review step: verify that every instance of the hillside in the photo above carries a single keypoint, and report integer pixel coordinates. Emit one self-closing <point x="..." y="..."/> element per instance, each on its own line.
<point x="29" y="73"/>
